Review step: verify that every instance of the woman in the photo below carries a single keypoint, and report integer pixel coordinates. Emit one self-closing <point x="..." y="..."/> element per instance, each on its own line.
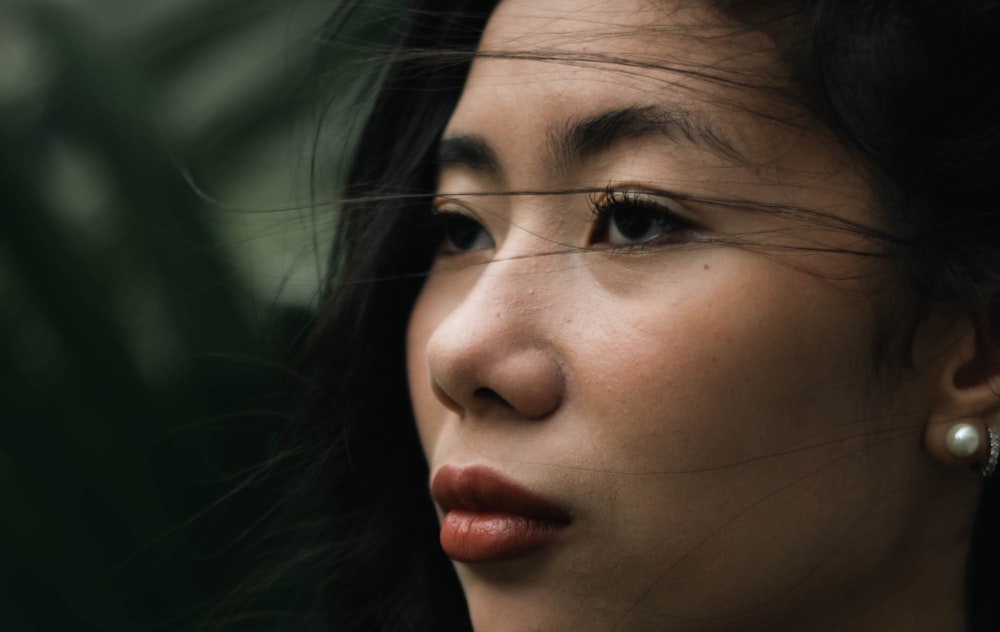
<point x="683" y="312"/>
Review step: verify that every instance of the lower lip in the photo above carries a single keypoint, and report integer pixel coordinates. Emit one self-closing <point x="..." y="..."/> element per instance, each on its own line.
<point x="474" y="537"/>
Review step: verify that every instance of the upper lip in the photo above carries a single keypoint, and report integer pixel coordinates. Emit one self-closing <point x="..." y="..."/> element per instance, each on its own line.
<point x="480" y="490"/>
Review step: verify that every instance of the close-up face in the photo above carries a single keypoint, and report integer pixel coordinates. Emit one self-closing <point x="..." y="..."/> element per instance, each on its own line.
<point x="644" y="408"/>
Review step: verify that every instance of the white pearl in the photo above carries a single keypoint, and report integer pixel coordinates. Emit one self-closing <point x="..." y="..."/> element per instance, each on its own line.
<point x="962" y="441"/>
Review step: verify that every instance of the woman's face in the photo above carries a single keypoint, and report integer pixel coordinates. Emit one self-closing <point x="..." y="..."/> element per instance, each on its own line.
<point x="642" y="409"/>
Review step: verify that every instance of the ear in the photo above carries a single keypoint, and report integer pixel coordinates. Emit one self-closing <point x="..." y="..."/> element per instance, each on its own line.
<point x="967" y="398"/>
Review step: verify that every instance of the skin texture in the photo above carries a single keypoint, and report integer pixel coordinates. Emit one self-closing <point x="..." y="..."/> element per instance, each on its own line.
<point x="708" y="412"/>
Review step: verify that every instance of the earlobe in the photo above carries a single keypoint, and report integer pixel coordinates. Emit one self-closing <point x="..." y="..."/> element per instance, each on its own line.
<point x="965" y="427"/>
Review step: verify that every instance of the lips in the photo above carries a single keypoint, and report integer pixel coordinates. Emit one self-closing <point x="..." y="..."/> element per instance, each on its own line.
<point x="489" y="518"/>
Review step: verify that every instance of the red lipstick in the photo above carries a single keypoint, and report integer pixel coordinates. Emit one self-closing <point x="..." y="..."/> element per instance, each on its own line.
<point x="489" y="518"/>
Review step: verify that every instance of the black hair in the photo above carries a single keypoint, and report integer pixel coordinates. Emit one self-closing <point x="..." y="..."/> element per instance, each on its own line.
<point x="910" y="86"/>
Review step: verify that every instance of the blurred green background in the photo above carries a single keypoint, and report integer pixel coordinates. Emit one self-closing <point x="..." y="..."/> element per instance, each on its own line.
<point x="159" y="258"/>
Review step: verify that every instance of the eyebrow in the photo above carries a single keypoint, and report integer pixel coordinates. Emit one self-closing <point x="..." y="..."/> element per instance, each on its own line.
<point x="579" y="140"/>
<point x="468" y="150"/>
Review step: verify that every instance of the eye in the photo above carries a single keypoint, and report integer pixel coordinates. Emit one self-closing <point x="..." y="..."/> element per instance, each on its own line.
<point x="627" y="217"/>
<point x="461" y="233"/>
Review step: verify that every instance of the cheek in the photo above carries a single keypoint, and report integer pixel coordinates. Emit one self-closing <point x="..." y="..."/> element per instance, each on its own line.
<point x="713" y="418"/>
<point x="720" y="365"/>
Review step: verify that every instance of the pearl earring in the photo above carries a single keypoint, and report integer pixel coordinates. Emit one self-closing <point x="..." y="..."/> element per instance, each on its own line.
<point x="962" y="440"/>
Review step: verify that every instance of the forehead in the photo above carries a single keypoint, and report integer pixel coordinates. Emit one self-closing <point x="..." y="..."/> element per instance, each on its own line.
<point x="678" y="36"/>
<point x="546" y="62"/>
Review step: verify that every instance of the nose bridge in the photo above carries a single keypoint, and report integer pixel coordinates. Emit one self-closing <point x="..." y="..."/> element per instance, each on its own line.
<point x="494" y="350"/>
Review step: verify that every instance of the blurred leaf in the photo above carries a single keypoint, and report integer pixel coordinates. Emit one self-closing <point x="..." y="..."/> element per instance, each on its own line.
<point x="141" y="369"/>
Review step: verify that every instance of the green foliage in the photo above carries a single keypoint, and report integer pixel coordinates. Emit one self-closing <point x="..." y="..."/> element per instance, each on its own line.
<point x="146" y="330"/>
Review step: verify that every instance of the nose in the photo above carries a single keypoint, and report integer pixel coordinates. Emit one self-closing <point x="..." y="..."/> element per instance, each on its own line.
<point x="493" y="352"/>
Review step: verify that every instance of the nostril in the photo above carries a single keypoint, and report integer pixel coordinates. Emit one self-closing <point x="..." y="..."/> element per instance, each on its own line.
<point x="488" y="395"/>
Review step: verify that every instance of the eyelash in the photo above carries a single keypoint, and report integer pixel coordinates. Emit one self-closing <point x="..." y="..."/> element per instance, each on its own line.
<point x="643" y="205"/>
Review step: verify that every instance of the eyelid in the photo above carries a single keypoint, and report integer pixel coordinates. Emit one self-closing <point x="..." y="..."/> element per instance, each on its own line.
<point x="668" y="201"/>
<point x="443" y="205"/>
<point x="440" y="201"/>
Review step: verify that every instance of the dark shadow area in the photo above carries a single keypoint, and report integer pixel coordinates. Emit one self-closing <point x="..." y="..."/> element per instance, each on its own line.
<point x="144" y="375"/>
